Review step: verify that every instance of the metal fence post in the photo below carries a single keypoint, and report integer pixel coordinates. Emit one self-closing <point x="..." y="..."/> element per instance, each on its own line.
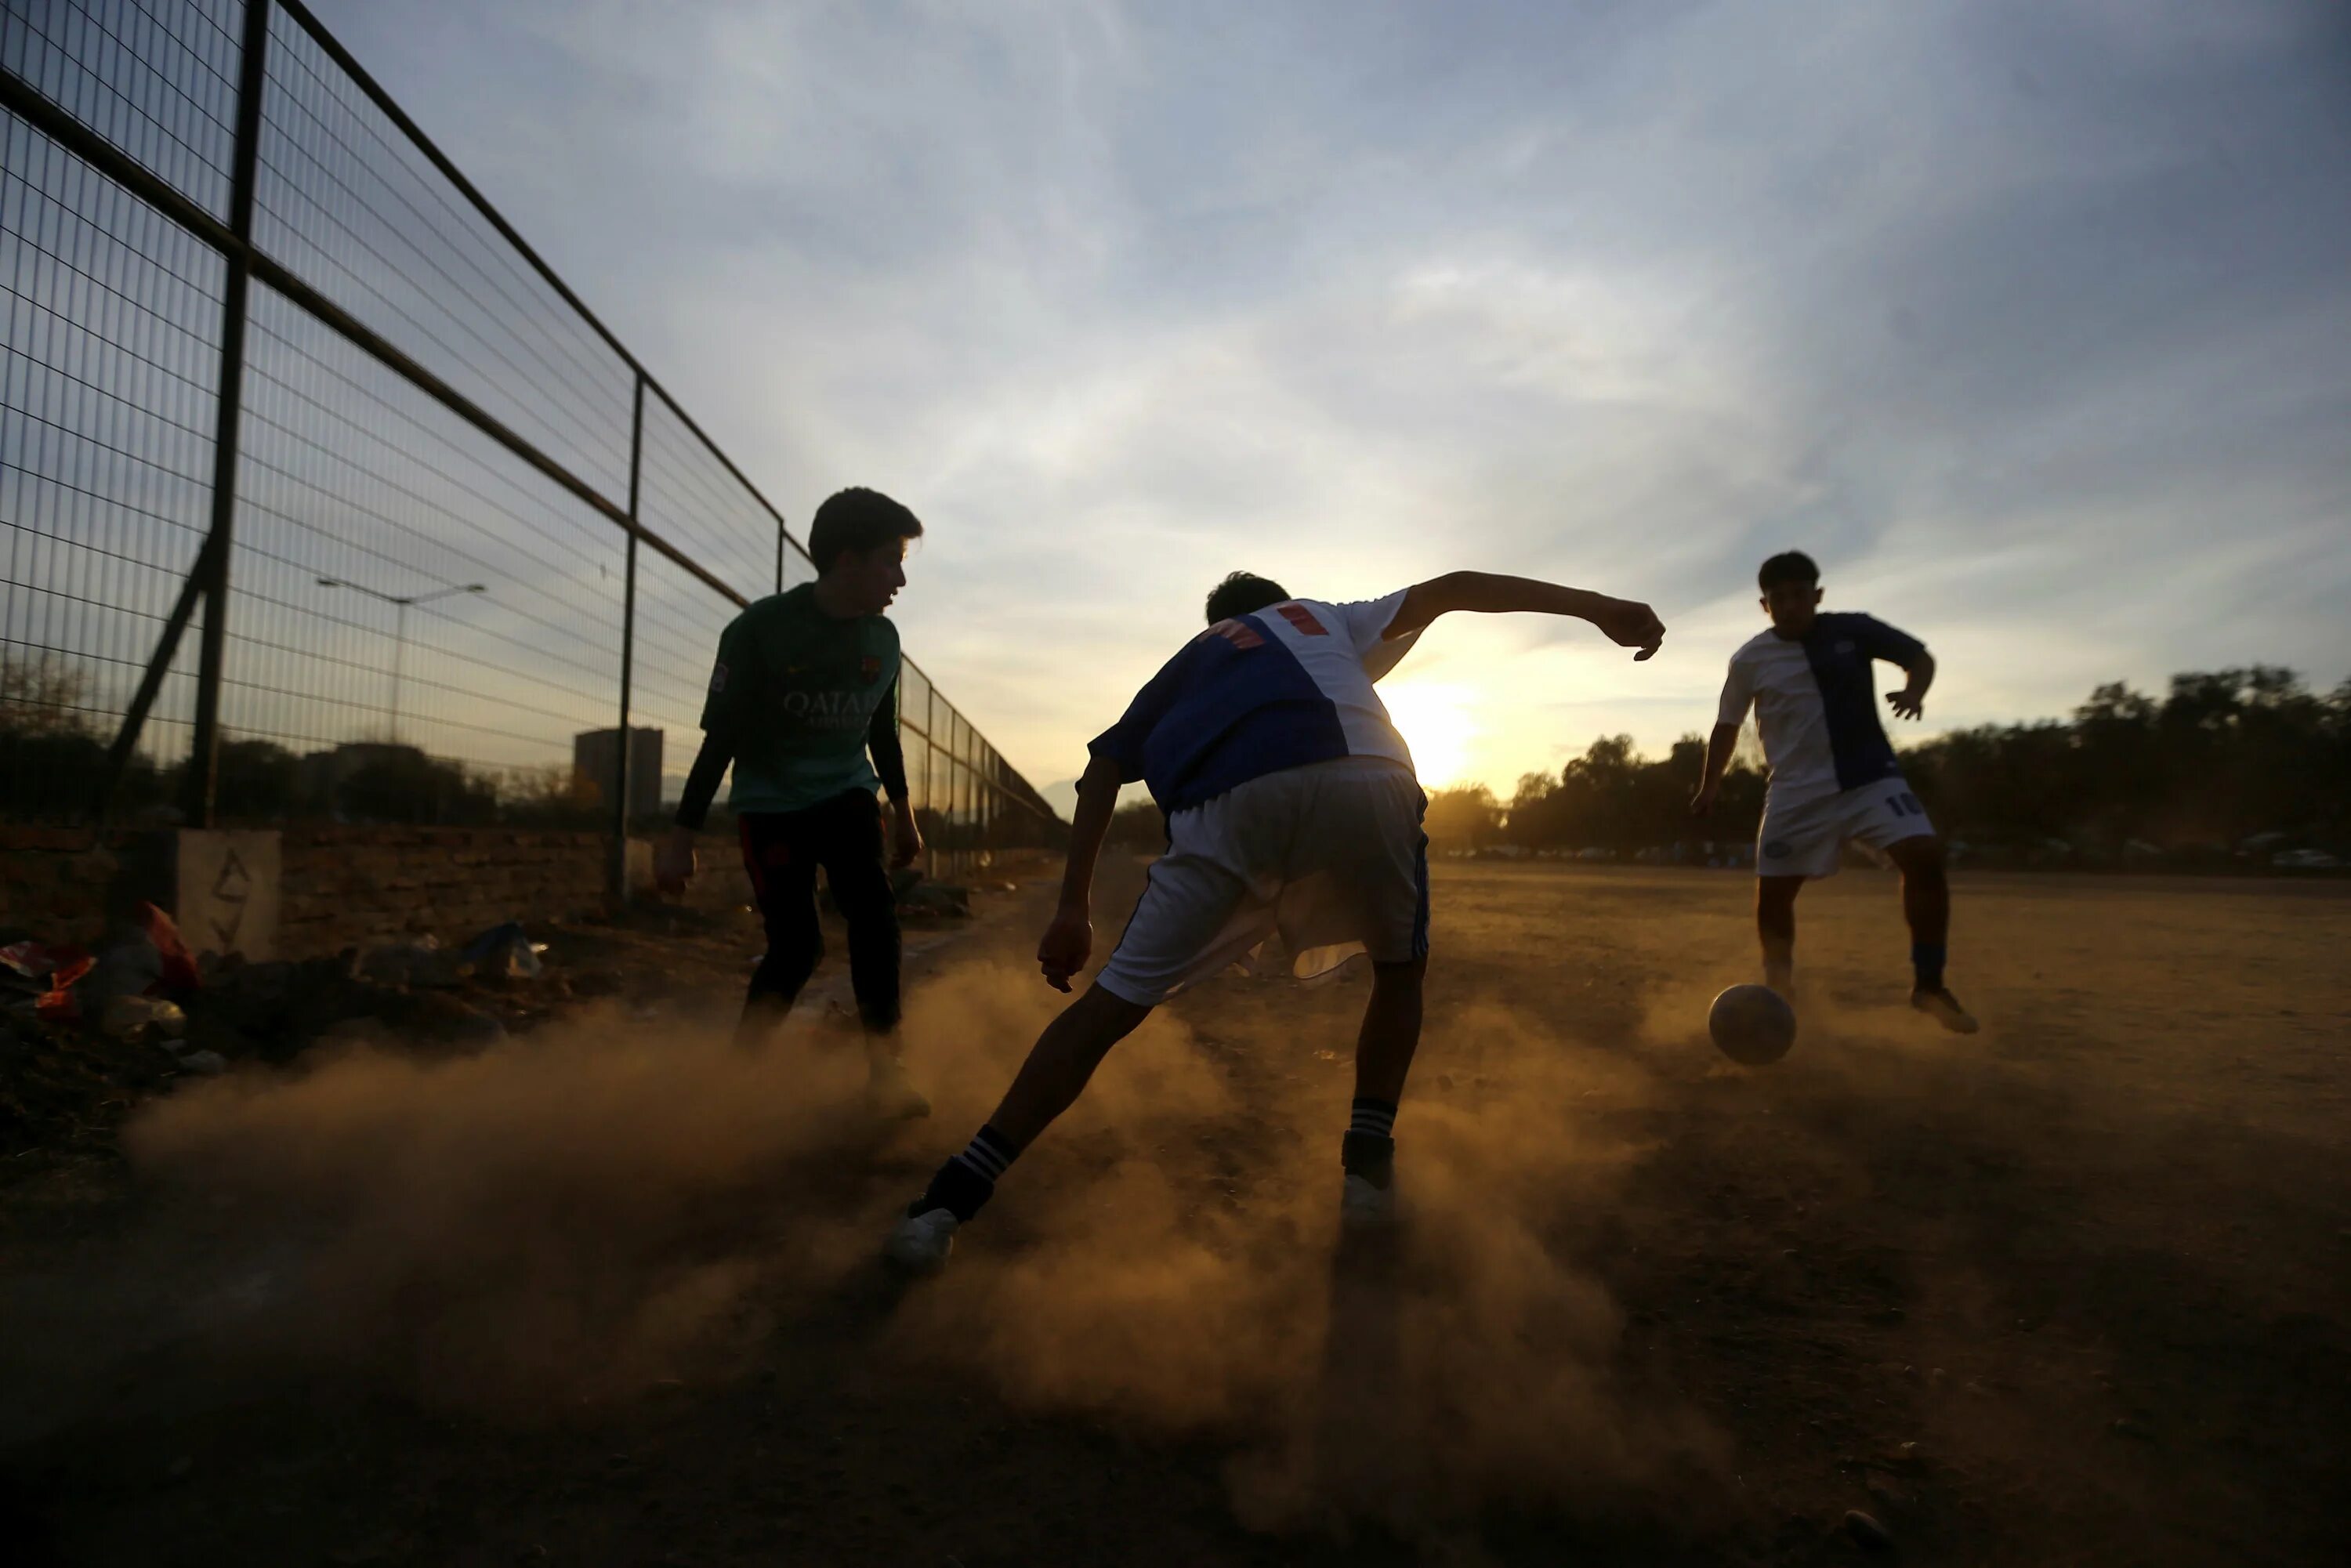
<point x="934" y="758"/>
<point x="624" y="751"/>
<point x="197" y="788"/>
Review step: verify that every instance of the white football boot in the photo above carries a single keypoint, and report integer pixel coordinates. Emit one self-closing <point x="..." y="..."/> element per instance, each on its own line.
<point x="1364" y="1207"/>
<point x="921" y="1241"/>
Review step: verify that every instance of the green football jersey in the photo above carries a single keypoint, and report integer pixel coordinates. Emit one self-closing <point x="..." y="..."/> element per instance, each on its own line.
<point x="798" y="690"/>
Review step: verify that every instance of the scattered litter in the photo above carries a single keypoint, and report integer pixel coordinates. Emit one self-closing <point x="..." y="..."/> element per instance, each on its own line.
<point x="127" y="970"/>
<point x="147" y="960"/>
<point x="182" y="975"/>
<point x="505" y="952"/>
<point x="143" y="1018"/>
<point x="30" y="961"/>
<point x="48" y="972"/>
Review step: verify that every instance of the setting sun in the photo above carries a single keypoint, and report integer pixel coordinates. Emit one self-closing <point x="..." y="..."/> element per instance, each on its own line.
<point x="1435" y="722"/>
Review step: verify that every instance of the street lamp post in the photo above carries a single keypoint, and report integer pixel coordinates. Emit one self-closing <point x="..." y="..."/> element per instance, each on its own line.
<point x="400" y="636"/>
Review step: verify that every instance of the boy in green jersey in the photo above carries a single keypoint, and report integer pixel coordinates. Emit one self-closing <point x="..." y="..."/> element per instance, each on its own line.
<point x="804" y="703"/>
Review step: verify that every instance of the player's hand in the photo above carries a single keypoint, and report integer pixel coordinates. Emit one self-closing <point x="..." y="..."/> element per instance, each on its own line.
<point x="1906" y="704"/>
<point x="1068" y="942"/>
<point x="673" y="862"/>
<point x="1702" y="803"/>
<point x="905" y="837"/>
<point x="1631" y="625"/>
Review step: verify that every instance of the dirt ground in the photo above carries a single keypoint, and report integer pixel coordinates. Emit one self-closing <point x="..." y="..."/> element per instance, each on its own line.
<point x="2071" y="1290"/>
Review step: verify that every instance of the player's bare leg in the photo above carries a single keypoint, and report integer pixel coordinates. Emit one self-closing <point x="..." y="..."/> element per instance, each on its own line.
<point x="1062" y="1062"/>
<point x="1775" y="924"/>
<point x="1927" y="906"/>
<point x="1391" y="1030"/>
<point x="1383" y="1052"/>
<point x="1048" y="1082"/>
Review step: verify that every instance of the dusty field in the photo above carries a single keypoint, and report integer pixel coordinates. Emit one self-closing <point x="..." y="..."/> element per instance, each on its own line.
<point x="2073" y="1291"/>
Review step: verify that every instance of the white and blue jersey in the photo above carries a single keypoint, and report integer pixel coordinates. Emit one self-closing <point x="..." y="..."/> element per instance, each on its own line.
<point x="1815" y="700"/>
<point x="1286" y="686"/>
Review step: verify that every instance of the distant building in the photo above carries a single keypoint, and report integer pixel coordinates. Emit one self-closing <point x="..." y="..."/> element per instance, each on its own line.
<point x="595" y="758"/>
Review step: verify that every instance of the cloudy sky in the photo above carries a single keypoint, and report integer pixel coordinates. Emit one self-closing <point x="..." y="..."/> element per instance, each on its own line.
<point x="2032" y="321"/>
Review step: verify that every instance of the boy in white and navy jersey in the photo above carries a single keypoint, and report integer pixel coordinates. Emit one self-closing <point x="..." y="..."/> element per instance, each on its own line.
<point x="1291" y="807"/>
<point x="1834" y="778"/>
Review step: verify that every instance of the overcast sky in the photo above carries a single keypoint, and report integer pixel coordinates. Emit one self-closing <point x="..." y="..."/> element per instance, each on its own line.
<point x="2032" y="321"/>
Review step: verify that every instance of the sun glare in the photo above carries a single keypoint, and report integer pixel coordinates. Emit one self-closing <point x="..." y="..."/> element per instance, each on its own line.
<point x="1435" y="722"/>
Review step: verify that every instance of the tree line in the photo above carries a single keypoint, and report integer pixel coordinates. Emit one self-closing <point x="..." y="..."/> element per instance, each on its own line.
<point x="2229" y="765"/>
<point x="54" y="741"/>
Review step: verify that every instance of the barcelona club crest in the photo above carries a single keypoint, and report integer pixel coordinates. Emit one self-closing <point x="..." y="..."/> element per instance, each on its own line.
<point x="869" y="667"/>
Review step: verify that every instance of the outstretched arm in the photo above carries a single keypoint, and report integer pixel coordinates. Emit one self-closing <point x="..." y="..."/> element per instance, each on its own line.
<point x="1624" y="622"/>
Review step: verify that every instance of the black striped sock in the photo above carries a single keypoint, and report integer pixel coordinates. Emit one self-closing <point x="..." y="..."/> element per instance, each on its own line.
<point x="1369" y="1148"/>
<point x="991" y="1155"/>
<point x="968" y="1179"/>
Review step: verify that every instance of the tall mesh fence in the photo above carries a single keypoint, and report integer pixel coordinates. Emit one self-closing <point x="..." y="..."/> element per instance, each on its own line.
<point x="466" y="545"/>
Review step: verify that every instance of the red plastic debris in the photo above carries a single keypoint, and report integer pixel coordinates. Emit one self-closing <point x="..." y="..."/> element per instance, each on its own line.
<point x="180" y="973"/>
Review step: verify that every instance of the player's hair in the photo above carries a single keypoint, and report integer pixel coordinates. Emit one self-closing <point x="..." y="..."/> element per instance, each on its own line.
<point x="1788" y="566"/>
<point x="1242" y="592"/>
<point x="857" y="519"/>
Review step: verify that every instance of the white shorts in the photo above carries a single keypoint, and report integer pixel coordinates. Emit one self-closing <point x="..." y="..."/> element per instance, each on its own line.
<point x="1808" y="837"/>
<point x="1331" y="856"/>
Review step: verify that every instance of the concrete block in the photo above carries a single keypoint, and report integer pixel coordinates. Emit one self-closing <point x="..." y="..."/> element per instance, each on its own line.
<point x="228" y="887"/>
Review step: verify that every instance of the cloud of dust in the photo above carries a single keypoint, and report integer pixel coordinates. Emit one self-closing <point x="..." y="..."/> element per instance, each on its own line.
<point x="598" y="1206"/>
<point x="572" y="1213"/>
<point x="969" y="1028"/>
<point x="608" y="1202"/>
<point x="1186" y="1274"/>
